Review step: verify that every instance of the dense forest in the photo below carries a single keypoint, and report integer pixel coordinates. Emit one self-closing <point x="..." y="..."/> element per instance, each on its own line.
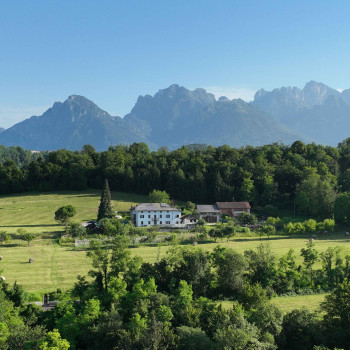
<point x="312" y="178"/>
<point x="174" y="303"/>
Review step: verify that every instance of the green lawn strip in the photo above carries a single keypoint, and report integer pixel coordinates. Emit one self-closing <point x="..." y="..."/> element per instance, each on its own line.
<point x="288" y="303"/>
<point x="35" y="212"/>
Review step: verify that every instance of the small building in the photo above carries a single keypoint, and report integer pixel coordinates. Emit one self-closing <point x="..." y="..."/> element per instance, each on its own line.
<point x="233" y="208"/>
<point x="150" y="214"/>
<point x="189" y="221"/>
<point x="209" y="213"/>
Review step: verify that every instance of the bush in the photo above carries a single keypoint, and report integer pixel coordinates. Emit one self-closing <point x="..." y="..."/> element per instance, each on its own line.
<point x="112" y="227"/>
<point x="241" y="229"/>
<point x="247" y="219"/>
<point x="76" y="230"/>
<point x="308" y="226"/>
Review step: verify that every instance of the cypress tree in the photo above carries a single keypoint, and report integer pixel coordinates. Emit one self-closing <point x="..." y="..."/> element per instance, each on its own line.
<point x="105" y="208"/>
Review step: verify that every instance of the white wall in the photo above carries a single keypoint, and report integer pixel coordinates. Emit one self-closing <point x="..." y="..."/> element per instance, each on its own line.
<point x="146" y="221"/>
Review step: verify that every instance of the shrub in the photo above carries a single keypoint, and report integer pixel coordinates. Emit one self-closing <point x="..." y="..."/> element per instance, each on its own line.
<point x="76" y="230"/>
<point x="247" y="219"/>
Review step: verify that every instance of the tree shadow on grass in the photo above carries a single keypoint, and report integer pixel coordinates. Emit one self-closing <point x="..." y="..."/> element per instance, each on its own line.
<point x="12" y="245"/>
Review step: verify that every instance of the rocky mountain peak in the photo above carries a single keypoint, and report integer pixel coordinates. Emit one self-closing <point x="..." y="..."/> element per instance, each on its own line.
<point x="315" y="93"/>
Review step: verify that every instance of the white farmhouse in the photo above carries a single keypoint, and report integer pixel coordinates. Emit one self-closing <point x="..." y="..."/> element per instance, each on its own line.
<point x="161" y="214"/>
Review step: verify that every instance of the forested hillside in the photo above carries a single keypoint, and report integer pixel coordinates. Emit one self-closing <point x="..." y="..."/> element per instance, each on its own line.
<point x="276" y="175"/>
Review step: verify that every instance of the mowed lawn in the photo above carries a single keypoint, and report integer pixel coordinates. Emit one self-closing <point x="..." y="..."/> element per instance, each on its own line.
<point x="57" y="266"/>
<point x="289" y="303"/>
<point x="35" y="212"/>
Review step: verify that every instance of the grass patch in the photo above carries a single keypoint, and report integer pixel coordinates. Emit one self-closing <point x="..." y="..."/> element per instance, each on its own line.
<point x="289" y="303"/>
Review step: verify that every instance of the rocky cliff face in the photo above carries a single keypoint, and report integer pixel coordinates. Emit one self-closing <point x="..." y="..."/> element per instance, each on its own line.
<point x="320" y="112"/>
<point x="177" y="116"/>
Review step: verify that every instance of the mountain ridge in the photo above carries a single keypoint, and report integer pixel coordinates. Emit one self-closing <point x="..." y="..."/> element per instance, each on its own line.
<point x="312" y="110"/>
<point x="177" y="116"/>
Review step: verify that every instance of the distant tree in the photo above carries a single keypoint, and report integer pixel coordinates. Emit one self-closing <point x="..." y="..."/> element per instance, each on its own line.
<point x="247" y="219"/>
<point x="100" y="256"/>
<point x="80" y="288"/>
<point x="310" y="225"/>
<point x="215" y="233"/>
<point x="4" y="237"/>
<point x="310" y="255"/>
<point x="298" y="147"/>
<point x="230" y="267"/>
<point x="76" y="230"/>
<point x="261" y="265"/>
<point x="201" y="223"/>
<point x="157" y="196"/>
<point x="190" y="206"/>
<point x="88" y="149"/>
<point x="105" y="208"/>
<point x="342" y="208"/>
<point x="315" y="195"/>
<point x="28" y="237"/>
<point x="248" y="190"/>
<point x="268" y="230"/>
<point x="64" y="214"/>
<point x="228" y="231"/>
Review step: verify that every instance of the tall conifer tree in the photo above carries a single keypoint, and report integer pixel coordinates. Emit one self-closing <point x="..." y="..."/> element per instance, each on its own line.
<point x="105" y="208"/>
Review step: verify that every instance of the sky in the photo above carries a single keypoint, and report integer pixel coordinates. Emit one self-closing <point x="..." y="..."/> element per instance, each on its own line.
<point x="112" y="51"/>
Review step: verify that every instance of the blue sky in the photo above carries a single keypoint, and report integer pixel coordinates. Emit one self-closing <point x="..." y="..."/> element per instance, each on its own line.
<point x="113" y="51"/>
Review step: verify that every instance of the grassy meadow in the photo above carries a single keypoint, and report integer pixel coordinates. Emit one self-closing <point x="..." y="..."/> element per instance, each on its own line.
<point x="289" y="303"/>
<point x="56" y="266"/>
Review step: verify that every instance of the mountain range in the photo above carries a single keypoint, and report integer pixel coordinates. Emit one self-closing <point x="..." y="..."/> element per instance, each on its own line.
<point x="176" y="116"/>
<point x="318" y="111"/>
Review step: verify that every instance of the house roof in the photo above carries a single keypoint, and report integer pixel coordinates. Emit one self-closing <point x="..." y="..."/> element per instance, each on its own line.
<point x="233" y="205"/>
<point x="207" y="208"/>
<point x="155" y="207"/>
<point x="188" y="216"/>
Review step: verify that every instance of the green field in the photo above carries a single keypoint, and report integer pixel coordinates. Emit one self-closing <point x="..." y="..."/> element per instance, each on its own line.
<point x="57" y="266"/>
<point x="289" y="303"/>
<point x="35" y="211"/>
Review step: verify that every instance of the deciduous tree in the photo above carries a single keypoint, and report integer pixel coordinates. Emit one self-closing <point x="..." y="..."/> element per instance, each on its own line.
<point x="64" y="214"/>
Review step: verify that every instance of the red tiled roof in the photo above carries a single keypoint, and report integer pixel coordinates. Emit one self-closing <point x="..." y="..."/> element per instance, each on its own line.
<point x="233" y="205"/>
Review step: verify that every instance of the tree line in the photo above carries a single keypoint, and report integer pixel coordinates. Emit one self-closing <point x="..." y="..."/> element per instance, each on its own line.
<point x="314" y="179"/>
